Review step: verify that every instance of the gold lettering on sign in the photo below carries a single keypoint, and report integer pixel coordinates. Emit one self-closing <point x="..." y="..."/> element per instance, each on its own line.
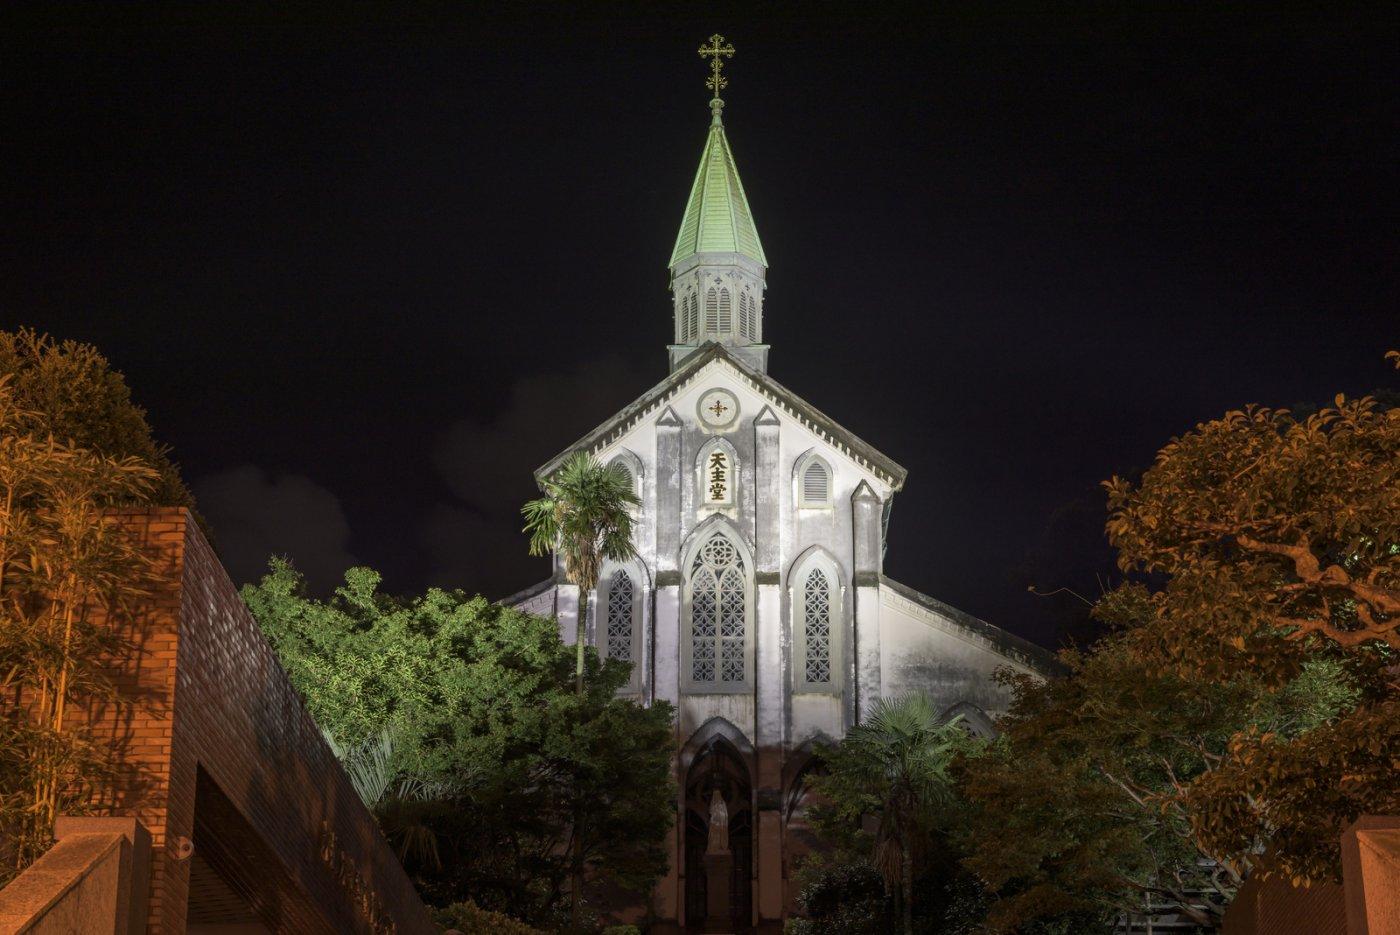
<point x="362" y="895"/>
<point x="719" y="477"/>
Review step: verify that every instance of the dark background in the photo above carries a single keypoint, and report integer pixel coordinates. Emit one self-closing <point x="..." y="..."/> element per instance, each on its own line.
<point x="367" y="268"/>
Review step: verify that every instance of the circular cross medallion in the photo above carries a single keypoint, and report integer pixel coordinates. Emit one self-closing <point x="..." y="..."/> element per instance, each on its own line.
<point x="718" y="409"/>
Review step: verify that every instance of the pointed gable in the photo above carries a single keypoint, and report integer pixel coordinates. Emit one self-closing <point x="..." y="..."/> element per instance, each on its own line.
<point x="779" y="398"/>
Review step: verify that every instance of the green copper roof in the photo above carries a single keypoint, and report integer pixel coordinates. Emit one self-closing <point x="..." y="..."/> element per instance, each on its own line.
<point x="717" y="217"/>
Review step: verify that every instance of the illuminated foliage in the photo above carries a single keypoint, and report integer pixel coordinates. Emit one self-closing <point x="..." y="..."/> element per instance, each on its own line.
<point x="1280" y="542"/>
<point x="70" y="391"/>
<point x="482" y="703"/>
<point x="585" y="516"/>
<point x="64" y="566"/>
<point x="1245" y="707"/>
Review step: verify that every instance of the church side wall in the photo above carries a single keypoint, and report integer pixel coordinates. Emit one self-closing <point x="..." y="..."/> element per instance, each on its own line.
<point x="925" y="652"/>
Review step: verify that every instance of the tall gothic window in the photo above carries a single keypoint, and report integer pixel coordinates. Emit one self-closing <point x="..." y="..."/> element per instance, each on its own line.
<point x="620" y="623"/>
<point x="712" y="310"/>
<point x="718" y="616"/>
<point x="745" y="316"/>
<point x="726" y="323"/>
<point x="692" y="320"/>
<point x="816" y="628"/>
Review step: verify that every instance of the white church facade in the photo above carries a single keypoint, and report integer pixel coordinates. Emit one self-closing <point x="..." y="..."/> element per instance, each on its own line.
<point x="757" y="603"/>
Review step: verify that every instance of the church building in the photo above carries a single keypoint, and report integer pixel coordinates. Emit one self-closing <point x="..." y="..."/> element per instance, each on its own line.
<point x="757" y="603"/>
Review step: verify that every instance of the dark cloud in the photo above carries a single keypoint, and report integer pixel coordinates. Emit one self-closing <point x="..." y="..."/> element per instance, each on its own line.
<point x="255" y="515"/>
<point x="490" y="468"/>
<point x="465" y="551"/>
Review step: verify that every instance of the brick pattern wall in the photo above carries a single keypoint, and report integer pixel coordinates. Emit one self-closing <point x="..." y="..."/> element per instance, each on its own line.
<point x="203" y="692"/>
<point x="1273" y="907"/>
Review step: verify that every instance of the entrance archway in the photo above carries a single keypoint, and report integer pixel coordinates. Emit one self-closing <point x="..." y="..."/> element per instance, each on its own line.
<point x="718" y="765"/>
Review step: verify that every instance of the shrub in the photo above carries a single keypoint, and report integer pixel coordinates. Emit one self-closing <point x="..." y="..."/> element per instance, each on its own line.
<point x="470" y="919"/>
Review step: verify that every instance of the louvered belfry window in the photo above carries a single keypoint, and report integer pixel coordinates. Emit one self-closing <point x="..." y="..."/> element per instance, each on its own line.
<point x="712" y="310"/>
<point x="816" y="484"/>
<point x="692" y="321"/>
<point x="726" y="323"/>
<point x="745" y="316"/>
<point x="718" y="612"/>
<point x="816" y="622"/>
<point x="620" y="603"/>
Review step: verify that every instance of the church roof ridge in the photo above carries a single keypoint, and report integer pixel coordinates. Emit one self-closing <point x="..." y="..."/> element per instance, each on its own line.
<point x="717" y="217"/>
<point x="845" y="441"/>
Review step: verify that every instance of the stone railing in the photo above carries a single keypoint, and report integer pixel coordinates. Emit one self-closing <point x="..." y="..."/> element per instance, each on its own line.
<point x="93" y="880"/>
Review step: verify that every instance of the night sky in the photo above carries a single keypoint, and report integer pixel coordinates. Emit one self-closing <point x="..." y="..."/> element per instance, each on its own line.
<point x="367" y="270"/>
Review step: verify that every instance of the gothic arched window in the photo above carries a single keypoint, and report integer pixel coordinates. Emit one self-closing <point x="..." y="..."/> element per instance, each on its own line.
<point x="816" y="628"/>
<point x="814" y="481"/>
<point x="620" y="625"/>
<point x="816" y="595"/>
<point x="692" y="320"/>
<point x="745" y="316"/>
<point x="712" y="310"/>
<point x="719" y="610"/>
<point x="726" y="323"/>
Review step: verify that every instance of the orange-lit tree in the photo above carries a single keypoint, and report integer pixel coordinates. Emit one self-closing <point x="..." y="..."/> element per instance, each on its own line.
<point x="63" y="564"/>
<point x="1247" y="704"/>
<point x="1280" y="542"/>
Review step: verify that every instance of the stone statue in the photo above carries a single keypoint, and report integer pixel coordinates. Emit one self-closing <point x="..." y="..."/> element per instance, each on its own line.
<point x="719" y="825"/>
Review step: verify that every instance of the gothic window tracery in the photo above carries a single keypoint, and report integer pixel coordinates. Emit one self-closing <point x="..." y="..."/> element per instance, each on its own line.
<point x="620" y="604"/>
<point x="816" y="622"/>
<point x="718" y="615"/>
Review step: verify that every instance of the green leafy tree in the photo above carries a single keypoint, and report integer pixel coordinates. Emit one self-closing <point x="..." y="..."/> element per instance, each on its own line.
<point x="892" y="769"/>
<point x="482" y="699"/>
<point x="1079" y="810"/>
<point x="585" y="514"/>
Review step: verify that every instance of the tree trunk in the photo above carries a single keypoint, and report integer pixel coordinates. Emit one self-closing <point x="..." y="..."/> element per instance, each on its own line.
<point x="907" y="884"/>
<point x="581" y="637"/>
<point x="575" y="871"/>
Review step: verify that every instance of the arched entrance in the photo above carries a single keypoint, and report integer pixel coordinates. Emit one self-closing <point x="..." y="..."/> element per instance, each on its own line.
<point x="718" y="765"/>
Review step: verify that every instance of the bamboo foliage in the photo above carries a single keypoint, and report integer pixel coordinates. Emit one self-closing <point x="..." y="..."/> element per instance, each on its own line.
<point x="65" y="565"/>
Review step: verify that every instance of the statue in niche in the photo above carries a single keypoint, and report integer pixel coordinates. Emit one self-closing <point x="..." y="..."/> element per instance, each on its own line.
<point x="719" y="825"/>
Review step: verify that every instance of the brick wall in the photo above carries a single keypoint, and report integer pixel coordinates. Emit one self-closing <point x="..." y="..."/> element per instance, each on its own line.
<point x="205" y="705"/>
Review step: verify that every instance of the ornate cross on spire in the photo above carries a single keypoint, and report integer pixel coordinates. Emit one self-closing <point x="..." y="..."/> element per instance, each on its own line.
<point x="716" y="51"/>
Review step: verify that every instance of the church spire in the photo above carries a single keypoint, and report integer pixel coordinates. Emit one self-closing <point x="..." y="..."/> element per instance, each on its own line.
<point x="718" y="265"/>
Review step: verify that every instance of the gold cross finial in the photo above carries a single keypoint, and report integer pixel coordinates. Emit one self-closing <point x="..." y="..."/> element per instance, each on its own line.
<point x="717" y="50"/>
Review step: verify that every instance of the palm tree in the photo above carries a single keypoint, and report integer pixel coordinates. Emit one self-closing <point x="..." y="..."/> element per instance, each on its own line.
<point x="584" y="514"/>
<point x="904" y="751"/>
<point x="401" y="801"/>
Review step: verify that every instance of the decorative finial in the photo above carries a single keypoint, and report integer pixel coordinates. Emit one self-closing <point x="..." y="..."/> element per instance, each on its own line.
<point x="717" y="50"/>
